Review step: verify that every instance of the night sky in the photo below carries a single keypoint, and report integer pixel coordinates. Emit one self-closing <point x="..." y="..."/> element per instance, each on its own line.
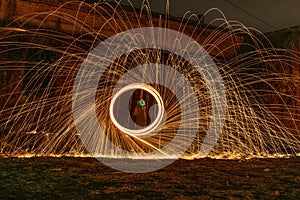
<point x="264" y="15"/>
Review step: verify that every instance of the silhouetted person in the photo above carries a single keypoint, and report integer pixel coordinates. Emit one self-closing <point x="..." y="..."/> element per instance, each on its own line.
<point x="140" y="113"/>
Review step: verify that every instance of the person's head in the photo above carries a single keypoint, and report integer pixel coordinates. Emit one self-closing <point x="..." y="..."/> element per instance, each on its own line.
<point x="142" y="104"/>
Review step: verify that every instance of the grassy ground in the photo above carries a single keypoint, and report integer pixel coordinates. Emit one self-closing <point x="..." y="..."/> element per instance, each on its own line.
<point x="87" y="178"/>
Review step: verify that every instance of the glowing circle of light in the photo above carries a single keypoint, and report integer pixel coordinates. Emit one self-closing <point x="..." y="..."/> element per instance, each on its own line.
<point x="102" y="56"/>
<point x="153" y="126"/>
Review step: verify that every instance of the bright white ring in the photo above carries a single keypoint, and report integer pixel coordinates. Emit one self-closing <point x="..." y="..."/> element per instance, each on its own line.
<point x="153" y="126"/>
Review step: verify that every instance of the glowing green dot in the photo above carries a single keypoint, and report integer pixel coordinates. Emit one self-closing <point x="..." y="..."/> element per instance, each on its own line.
<point x="142" y="103"/>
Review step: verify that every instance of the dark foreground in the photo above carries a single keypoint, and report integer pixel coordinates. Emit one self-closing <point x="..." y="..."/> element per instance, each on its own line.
<point x="87" y="178"/>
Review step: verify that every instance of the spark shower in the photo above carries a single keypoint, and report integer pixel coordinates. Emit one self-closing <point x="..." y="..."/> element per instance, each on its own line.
<point x="225" y="93"/>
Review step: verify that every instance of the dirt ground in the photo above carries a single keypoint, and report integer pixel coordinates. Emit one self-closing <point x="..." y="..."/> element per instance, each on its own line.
<point x="87" y="178"/>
